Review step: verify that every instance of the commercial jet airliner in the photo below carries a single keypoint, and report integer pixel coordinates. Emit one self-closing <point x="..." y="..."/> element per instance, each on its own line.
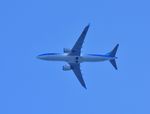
<point x="74" y="57"/>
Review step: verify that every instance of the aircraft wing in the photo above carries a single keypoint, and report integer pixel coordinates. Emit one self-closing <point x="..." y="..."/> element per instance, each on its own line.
<point x="76" y="50"/>
<point x="77" y="71"/>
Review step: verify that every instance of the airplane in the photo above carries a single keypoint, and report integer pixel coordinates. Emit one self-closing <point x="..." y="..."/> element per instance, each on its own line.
<point x="74" y="57"/>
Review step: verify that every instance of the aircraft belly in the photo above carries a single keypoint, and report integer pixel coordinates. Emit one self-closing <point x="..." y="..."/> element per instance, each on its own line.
<point x="74" y="59"/>
<point x="93" y="59"/>
<point x="55" y="58"/>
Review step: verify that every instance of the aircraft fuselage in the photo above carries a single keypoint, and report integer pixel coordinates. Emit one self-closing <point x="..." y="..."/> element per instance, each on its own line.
<point x="74" y="59"/>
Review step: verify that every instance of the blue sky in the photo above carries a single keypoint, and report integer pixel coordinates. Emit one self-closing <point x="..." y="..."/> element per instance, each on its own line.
<point x="32" y="86"/>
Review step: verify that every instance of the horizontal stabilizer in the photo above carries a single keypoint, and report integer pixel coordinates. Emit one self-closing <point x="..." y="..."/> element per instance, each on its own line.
<point x="113" y="62"/>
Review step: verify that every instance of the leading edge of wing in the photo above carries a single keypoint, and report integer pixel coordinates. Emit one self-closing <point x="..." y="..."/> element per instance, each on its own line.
<point x="77" y="72"/>
<point x="76" y="50"/>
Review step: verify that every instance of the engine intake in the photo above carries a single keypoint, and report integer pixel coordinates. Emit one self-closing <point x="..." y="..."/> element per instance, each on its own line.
<point x="67" y="50"/>
<point x="66" y="67"/>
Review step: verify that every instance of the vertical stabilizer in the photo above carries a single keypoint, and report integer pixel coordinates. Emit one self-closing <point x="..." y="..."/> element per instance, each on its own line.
<point x="113" y="52"/>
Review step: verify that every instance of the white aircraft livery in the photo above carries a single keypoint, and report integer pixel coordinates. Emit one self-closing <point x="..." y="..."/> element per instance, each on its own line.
<point x="74" y="57"/>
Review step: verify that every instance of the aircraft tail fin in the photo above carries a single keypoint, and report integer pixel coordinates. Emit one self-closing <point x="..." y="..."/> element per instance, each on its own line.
<point x="113" y="54"/>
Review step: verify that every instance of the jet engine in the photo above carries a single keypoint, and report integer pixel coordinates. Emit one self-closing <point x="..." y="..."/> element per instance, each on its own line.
<point x="66" y="67"/>
<point x="67" y="50"/>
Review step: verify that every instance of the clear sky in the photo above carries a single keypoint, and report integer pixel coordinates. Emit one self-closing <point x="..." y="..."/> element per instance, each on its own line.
<point x="32" y="27"/>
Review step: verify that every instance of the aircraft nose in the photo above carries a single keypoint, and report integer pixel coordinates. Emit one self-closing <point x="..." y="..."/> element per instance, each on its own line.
<point x="39" y="57"/>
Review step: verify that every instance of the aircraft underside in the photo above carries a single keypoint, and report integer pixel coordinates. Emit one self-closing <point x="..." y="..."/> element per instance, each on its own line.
<point x="74" y="57"/>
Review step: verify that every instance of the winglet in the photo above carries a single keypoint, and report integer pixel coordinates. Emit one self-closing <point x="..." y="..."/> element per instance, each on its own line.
<point x="88" y="25"/>
<point x="84" y="86"/>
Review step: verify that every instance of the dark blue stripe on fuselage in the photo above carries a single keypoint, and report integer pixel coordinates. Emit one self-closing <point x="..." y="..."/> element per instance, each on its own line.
<point x="49" y="54"/>
<point x="99" y="55"/>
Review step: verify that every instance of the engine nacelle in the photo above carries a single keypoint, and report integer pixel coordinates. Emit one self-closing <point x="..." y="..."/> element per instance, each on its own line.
<point x="67" y="50"/>
<point x="66" y="67"/>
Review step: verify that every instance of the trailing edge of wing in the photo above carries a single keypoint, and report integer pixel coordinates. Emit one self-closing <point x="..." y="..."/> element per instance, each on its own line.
<point x="76" y="50"/>
<point x="77" y="71"/>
